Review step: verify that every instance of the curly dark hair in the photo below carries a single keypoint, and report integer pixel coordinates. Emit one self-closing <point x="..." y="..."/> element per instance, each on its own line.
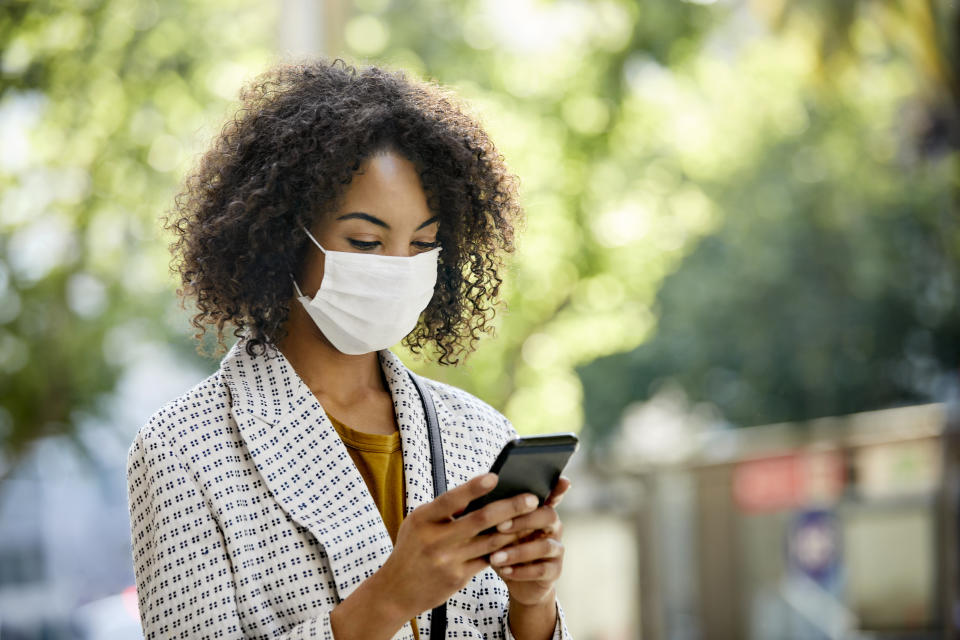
<point x="285" y="158"/>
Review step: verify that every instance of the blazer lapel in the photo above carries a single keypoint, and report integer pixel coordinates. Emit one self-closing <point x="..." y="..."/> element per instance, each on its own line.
<point x="412" y="423"/>
<point x="306" y="466"/>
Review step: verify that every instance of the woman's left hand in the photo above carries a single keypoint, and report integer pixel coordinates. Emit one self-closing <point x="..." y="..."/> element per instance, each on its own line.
<point x="531" y="566"/>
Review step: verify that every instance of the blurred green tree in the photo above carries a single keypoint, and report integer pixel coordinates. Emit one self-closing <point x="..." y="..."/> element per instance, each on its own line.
<point x="832" y="284"/>
<point x="101" y="102"/>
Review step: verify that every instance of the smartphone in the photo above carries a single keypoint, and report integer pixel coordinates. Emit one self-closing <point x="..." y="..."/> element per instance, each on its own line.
<point x="528" y="464"/>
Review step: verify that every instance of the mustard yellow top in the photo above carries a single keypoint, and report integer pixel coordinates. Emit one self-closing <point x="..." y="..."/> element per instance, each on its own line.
<point x="379" y="460"/>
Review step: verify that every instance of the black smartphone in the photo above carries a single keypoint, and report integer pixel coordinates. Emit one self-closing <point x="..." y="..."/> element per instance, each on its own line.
<point x="528" y="464"/>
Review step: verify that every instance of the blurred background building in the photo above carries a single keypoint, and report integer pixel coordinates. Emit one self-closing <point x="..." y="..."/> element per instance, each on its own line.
<point x="740" y="213"/>
<point x="843" y="527"/>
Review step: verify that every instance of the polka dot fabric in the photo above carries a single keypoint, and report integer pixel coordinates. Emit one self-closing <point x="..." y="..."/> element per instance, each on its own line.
<point x="250" y="520"/>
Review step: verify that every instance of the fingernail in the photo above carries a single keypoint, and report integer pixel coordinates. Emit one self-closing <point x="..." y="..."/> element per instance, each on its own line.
<point x="505" y="526"/>
<point x="498" y="557"/>
<point x="488" y="480"/>
<point x="506" y="571"/>
<point x="531" y="502"/>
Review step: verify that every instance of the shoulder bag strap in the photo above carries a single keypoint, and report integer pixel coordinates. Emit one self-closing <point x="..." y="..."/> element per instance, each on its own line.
<point x="438" y="624"/>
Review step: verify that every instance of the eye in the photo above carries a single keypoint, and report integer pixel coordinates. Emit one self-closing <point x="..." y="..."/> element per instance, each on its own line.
<point x="428" y="245"/>
<point x="363" y="246"/>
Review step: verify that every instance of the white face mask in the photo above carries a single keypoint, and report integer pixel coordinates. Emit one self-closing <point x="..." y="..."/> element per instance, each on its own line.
<point x="368" y="302"/>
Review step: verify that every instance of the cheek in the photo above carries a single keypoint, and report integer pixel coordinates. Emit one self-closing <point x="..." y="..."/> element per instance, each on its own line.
<point x="311" y="274"/>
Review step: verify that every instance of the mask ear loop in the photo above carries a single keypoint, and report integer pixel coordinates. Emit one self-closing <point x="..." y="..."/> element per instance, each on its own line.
<point x="296" y="286"/>
<point x="319" y="246"/>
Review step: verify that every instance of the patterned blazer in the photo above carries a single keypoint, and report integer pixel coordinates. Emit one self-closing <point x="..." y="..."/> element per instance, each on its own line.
<point x="249" y="519"/>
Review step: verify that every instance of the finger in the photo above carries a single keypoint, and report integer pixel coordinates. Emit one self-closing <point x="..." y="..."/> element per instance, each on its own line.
<point x="473" y="567"/>
<point x="495" y="513"/>
<point x="455" y="500"/>
<point x="540" y="549"/>
<point x="526" y="536"/>
<point x="483" y="545"/>
<point x="541" y="570"/>
<point x="543" y="518"/>
<point x="563" y="485"/>
<point x="555" y="532"/>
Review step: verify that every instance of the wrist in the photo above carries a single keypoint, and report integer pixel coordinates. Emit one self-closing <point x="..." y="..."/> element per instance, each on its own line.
<point x="529" y="621"/>
<point x="547" y="601"/>
<point x="385" y="594"/>
<point x="368" y="612"/>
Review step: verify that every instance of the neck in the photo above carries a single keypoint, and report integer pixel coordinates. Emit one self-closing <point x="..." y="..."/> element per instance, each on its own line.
<point x="323" y="368"/>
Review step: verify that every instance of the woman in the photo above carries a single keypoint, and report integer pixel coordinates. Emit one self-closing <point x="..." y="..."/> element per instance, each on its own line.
<point x="289" y="494"/>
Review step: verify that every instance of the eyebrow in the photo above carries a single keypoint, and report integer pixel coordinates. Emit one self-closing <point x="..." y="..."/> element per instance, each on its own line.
<point x="375" y="220"/>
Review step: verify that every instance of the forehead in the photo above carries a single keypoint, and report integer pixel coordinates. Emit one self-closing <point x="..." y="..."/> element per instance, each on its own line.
<point x="387" y="186"/>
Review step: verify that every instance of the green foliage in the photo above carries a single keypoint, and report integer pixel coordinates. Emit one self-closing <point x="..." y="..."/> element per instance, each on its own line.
<point x="832" y="284"/>
<point x="813" y="299"/>
<point x="100" y="105"/>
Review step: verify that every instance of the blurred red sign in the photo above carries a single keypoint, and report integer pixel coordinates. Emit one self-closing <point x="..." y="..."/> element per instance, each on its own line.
<point x="789" y="481"/>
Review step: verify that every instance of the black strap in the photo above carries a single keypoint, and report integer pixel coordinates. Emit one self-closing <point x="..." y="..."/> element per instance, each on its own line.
<point x="438" y="618"/>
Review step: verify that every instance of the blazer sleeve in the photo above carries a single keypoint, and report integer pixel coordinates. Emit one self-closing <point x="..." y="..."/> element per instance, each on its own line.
<point x="184" y="576"/>
<point x="560" y="632"/>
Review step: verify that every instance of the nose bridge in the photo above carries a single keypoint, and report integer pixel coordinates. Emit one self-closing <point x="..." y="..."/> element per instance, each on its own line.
<point x="399" y="244"/>
<point x="399" y="241"/>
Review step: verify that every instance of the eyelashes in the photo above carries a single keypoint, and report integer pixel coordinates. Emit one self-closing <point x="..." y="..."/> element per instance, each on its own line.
<point x="360" y="244"/>
<point x="366" y="246"/>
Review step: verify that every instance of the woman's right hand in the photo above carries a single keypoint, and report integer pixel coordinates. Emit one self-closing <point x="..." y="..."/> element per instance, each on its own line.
<point x="436" y="555"/>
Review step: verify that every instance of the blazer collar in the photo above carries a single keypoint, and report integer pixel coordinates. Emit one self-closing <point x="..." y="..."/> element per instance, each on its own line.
<point x="305" y="464"/>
